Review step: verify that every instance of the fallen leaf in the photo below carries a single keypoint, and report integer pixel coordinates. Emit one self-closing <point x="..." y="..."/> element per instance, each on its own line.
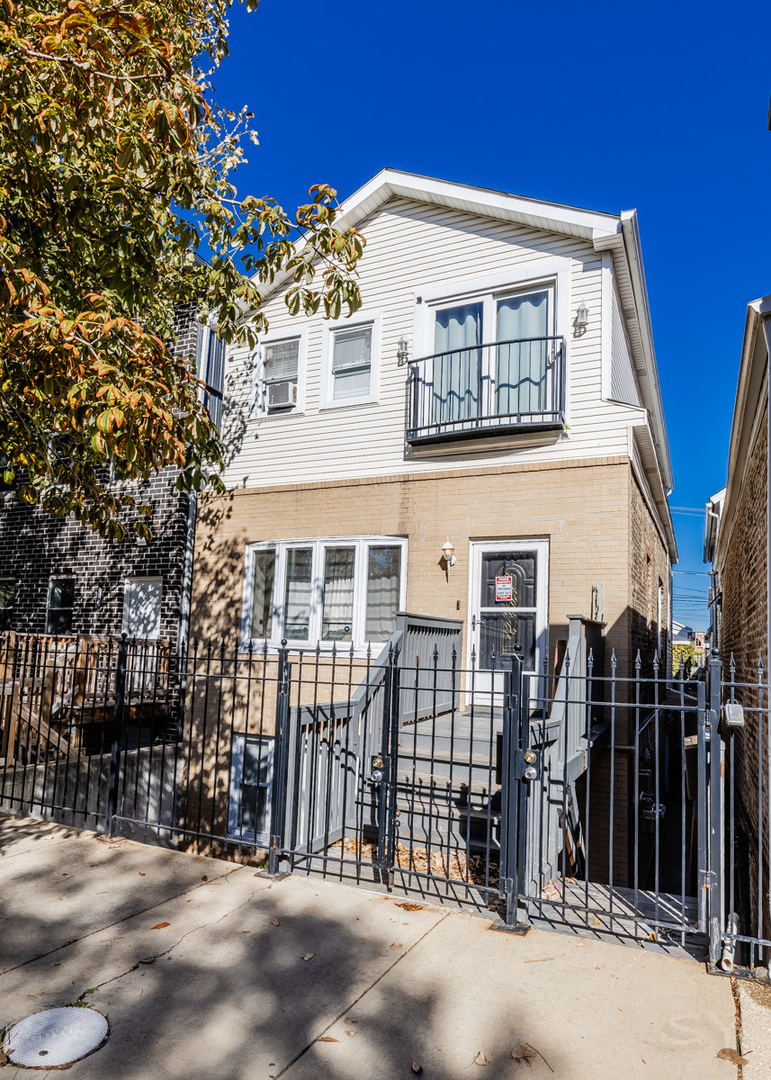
<point x="142" y="873"/>
<point x="415" y="1067"/>
<point x="410" y="907"/>
<point x="326" y="1038"/>
<point x="351" y="1020"/>
<point x="275" y="922"/>
<point x="481" y="1059"/>
<point x="351" y="1033"/>
<point x="205" y="877"/>
<point x="540" y="960"/>
<point x="308" y="956"/>
<point x="70" y="942"/>
<point x="160" y="926"/>
<point x="246" y="931"/>
<point x="396" y="945"/>
<point x="148" y="960"/>
<point x="524" y="1052"/>
<point x="727" y="1054"/>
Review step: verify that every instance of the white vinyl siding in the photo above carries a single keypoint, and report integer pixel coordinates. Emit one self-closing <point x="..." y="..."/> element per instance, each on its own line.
<point x="411" y="246"/>
<point x="623" y="382"/>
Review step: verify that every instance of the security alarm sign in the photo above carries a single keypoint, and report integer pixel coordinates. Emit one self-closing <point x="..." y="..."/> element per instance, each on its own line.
<point x="503" y="589"/>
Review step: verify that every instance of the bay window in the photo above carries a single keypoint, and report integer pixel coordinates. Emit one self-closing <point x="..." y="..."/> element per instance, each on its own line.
<point x="324" y="591"/>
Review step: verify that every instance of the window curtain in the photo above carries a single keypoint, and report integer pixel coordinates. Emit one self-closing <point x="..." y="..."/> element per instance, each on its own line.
<point x="456" y="378"/>
<point x="384" y="566"/>
<point x="297" y="596"/>
<point x="522" y="367"/>
<point x="337" y="617"/>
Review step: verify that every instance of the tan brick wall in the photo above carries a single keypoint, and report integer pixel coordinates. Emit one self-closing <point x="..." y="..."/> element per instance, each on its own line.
<point x="744" y="635"/>
<point x="582" y="508"/>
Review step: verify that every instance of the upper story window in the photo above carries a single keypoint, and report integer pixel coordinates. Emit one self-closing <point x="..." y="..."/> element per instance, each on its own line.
<point x="279" y="376"/>
<point x="61" y="601"/>
<point x="211" y="371"/>
<point x="493" y="361"/>
<point x="350" y="363"/>
<point x="325" y="591"/>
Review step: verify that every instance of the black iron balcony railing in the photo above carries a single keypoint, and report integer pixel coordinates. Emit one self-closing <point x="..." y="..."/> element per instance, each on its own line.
<point x="481" y="390"/>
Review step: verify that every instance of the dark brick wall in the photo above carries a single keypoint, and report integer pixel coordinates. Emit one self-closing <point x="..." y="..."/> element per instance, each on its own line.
<point x="744" y="636"/>
<point x="35" y="547"/>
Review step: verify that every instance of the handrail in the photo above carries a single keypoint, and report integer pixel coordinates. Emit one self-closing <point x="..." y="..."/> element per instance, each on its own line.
<point x="485" y="345"/>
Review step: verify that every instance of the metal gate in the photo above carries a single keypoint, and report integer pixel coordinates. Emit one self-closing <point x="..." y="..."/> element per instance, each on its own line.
<point x="592" y="798"/>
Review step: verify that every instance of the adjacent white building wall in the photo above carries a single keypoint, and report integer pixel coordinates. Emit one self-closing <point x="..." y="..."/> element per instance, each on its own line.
<point x="413" y="246"/>
<point x="623" y="381"/>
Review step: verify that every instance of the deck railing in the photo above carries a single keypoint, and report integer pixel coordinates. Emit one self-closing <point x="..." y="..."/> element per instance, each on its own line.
<point x="482" y="390"/>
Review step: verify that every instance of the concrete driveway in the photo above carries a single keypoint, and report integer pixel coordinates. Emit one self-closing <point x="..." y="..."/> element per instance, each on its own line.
<point x="207" y="969"/>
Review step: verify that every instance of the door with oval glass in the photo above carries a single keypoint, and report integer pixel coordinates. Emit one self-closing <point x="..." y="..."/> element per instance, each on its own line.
<point x="508" y="607"/>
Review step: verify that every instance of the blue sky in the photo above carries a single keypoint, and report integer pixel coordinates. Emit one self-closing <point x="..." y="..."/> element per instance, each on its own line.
<point x="658" y="107"/>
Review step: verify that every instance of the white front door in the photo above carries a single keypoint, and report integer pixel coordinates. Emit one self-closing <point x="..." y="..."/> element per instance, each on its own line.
<point x="508" y="607"/>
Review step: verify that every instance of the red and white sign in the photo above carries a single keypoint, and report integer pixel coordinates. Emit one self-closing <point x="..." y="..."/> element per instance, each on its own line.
<point x="503" y="588"/>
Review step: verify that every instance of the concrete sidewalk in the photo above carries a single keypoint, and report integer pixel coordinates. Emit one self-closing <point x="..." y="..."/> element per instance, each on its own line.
<point x="207" y="969"/>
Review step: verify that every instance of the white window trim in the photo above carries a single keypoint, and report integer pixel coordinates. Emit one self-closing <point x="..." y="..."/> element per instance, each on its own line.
<point x="141" y="579"/>
<point x="235" y="832"/>
<point x="550" y="271"/>
<point x="361" y="543"/>
<point x="513" y="544"/>
<point x="259" y="408"/>
<point x="326" y="401"/>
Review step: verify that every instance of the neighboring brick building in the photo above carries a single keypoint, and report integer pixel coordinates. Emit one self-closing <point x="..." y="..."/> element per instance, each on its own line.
<point x="736" y="542"/>
<point x="59" y="577"/>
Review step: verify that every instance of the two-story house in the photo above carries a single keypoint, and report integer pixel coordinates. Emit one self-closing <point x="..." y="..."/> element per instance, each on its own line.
<point x="483" y="440"/>
<point x="58" y="578"/>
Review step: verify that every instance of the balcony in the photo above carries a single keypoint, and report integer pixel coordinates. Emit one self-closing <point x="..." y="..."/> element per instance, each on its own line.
<point x="501" y="388"/>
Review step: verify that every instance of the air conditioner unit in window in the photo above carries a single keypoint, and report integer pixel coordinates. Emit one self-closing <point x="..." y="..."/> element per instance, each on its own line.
<point x="282" y="395"/>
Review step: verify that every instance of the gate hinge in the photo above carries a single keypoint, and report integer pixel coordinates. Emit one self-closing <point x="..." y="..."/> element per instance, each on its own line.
<point x="506" y="885"/>
<point x="707" y="879"/>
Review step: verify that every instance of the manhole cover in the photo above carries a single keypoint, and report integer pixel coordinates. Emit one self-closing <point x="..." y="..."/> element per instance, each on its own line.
<point x="55" y="1037"/>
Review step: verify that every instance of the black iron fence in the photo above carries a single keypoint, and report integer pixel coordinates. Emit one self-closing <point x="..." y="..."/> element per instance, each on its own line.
<point x="590" y="797"/>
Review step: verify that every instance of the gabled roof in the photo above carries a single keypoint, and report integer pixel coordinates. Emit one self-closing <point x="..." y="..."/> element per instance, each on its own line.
<point x="617" y="234"/>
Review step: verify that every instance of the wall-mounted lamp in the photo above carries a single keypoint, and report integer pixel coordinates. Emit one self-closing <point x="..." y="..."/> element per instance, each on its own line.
<point x="448" y="554"/>
<point x="582" y="318"/>
<point x="403" y="350"/>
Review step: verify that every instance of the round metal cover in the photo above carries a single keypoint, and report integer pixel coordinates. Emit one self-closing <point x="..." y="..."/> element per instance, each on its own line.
<point x="55" y="1037"/>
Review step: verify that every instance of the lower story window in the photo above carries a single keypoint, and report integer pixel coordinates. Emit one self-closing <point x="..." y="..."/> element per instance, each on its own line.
<point x="142" y="607"/>
<point x="251" y="783"/>
<point x="61" y="601"/>
<point x="309" y="591"/>
<point x="7" y="594"/>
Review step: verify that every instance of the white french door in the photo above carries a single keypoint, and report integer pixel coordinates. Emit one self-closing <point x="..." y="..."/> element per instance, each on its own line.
<point x="470" y="382"/>
<point x="508" y="607"/>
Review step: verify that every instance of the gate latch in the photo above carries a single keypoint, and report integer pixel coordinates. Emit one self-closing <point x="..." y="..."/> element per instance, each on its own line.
<point x="378" y="769"/>
<point x="527" y="765"/>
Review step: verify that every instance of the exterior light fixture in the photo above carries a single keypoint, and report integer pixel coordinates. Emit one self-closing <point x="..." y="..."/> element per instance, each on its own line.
<point x="403" y="350"/>
<point x="582" y="317"/>
<point x="448" y="554"/>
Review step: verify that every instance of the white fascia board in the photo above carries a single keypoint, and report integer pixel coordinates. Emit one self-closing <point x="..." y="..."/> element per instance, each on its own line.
<point x="518" y="209"/>
<point x="624" y="245"/>
<point x="553" y="217"/>
<point x="750" y="400"/>
<point x="643" y="449"/>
